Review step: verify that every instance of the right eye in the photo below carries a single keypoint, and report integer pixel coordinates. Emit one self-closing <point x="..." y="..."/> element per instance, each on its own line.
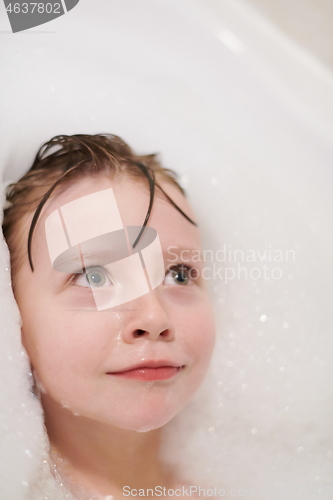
<point x="179" y="275"/>
<point x="94" y="277"/>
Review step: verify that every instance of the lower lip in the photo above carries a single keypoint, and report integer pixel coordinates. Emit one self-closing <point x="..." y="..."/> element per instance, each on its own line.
<point x="145" y="373"/>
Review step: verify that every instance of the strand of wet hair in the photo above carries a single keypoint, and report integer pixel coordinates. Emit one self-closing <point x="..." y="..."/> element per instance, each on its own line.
<point x="152" y="184"/>
<point x="176" y="206"/>
<point x="149" y="174"/>
<point x="40" y="208"/>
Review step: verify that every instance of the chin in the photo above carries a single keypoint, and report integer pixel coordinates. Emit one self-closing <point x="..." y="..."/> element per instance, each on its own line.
<point x="146" y="423"/>
<point x="145" y="417"/>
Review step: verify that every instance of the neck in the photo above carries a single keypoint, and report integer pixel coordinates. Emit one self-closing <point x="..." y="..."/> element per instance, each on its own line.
<point x="101" y="457"/>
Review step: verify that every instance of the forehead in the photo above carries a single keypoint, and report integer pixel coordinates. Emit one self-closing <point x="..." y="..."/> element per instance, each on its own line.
<point x="131" y="201"/>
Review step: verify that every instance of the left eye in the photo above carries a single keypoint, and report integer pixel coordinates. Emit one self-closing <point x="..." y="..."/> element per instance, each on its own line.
<point x="94" y="277"/>
<point x="180" y="275"/>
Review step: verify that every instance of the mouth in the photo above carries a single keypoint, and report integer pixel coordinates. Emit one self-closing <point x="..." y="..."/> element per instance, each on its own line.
<point x="150" y="371"/>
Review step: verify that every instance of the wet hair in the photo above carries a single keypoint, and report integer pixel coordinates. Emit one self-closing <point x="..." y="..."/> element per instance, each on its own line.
<point x="66" y="159"/>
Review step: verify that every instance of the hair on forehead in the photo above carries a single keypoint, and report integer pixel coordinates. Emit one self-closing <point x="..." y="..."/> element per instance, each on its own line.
<point x="67" y="158"/>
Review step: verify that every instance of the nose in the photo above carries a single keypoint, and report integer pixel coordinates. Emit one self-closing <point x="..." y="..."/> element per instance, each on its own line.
<point x="149" y="320"/>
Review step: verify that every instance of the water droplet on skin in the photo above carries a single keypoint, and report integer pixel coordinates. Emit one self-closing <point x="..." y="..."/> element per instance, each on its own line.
<point x="146" y="429"/>
<point x="287" y="408"/>
<point x="168" y="397"/>
<point x="108" y="497"/>
<point x="64" y="404"/>
<point x="211" y="430"/>
<point x="254" y="431"/>
<point x="282" y="369"/>
<point x="28" y="453"/>
<point x="263" y="318"/>
<point x="25" y="484"/>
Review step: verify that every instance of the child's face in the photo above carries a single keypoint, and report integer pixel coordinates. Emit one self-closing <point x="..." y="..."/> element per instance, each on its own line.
<point x="84" y="357"/>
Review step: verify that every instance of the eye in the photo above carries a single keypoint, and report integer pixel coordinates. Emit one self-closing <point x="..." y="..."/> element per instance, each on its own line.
<point x="180" y="275"/>
<point x="94" y="277"/>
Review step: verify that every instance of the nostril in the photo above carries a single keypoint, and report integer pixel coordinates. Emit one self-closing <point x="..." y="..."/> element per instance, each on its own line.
<point x="139" y="333"/>
<point x="165" y="333"/>
<point x="142" y="333"/>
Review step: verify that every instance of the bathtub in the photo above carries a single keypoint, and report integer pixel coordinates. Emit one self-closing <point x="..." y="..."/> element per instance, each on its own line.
<point x="245" y="117"/>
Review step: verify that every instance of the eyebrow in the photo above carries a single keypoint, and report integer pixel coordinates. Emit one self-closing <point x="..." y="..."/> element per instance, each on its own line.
<point x="79" y="261"/>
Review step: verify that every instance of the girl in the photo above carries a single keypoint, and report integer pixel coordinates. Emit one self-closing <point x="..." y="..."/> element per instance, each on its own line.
<point x="116" y="348"/>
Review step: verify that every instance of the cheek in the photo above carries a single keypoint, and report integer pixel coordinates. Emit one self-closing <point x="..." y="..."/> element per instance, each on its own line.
<point x="198" y="328"/>
<point x="63" y="347"/>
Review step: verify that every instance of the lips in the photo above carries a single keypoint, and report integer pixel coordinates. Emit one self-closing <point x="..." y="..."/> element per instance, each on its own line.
<point x="148" y="371"/>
